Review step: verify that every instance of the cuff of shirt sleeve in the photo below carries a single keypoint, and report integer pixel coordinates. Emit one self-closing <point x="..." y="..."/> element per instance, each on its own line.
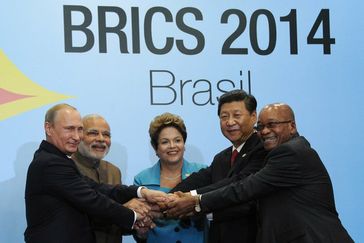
<point x="193" y="193"/>
<point x="135" y="218"/>
<point x="139" y="193"/>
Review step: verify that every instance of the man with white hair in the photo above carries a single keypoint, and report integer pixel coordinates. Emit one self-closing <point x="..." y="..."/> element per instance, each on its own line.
<point x="92" y="149"/>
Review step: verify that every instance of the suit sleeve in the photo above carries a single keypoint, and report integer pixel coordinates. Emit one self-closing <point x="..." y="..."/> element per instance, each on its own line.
<point x="195" y="180"/>
<point x="281" y="170"/>
<point x="255" y="162"/>
<point x="235" y="212"/>
<point x="62" y="180"/>
<point x="119" y="193"/>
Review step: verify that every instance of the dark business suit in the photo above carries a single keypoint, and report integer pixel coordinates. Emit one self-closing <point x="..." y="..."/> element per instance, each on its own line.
<point x="295" y="197"/>
<point x="59" y="201"/>
<point x="238" y="223"/>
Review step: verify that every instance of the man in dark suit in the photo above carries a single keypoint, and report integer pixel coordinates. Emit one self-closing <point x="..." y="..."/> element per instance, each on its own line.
<point x="59" y="201"/>
<point x="237" y="113"/>
<point x="294" y="191"/>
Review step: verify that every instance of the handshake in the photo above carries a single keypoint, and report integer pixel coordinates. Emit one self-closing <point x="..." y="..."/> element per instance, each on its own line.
<point x="156" y="205"/>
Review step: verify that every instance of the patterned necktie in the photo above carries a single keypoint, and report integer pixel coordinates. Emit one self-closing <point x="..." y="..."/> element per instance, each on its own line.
<point x="233" y="157"/>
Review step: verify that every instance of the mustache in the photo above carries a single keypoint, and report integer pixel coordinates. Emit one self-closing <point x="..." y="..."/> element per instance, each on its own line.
<point x="99" y="144"/>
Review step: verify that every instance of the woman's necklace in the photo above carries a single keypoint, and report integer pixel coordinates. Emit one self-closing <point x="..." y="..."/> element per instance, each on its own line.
<point x="171" y="178"/>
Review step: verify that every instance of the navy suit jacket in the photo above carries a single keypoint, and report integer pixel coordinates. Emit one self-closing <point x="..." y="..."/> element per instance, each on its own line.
<point x="295" y="197"/>
<point x="238" y="223"/>
<point x="59" y="201"/>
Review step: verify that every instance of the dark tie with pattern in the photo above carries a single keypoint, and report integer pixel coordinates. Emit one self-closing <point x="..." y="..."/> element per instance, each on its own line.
<point x="233" y="157"/>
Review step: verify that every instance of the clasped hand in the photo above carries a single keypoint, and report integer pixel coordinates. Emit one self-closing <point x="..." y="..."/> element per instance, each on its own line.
<point x="174" y="205"/>
<point x="180" y="205"/>
<point x="147" y="208"/>
<point x="157" y="204"/>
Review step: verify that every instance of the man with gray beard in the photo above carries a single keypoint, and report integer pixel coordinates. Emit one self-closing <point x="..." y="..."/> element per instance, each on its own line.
<point x="92" y="149"/>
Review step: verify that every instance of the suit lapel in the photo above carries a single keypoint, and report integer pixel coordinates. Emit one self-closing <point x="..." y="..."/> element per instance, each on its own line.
<point x="226" y="161"/>
<point x="242" y="158"/>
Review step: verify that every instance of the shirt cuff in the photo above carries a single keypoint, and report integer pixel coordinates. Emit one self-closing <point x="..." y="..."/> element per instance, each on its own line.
<point x="139" y="191"/>
<point x="135" y="218"/>
<point x="193" y="193"/>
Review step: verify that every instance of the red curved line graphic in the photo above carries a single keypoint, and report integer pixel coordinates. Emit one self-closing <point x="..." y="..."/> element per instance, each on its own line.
<point x="7" y="96"/>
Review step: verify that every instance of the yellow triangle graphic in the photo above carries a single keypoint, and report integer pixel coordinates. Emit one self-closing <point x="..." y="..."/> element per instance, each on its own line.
<point x="12" y="80"/>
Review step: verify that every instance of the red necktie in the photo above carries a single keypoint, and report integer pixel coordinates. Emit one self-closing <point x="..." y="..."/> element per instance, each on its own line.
<point x="233" y="157"/>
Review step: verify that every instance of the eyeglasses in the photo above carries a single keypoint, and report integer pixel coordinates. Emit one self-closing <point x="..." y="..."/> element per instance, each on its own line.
<point x="270" y="125"/>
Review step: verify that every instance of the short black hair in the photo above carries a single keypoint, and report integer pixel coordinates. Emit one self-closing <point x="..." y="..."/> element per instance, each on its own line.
<point x="238" y="95"/>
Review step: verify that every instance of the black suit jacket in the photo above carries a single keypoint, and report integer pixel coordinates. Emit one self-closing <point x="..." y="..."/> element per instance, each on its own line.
<point x="59" y="201"/>
<point x="295" y="197"/>
<point x="238" y="223"/>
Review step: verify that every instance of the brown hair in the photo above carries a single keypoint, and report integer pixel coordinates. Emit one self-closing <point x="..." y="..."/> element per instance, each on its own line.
<point x="162" y="121"/>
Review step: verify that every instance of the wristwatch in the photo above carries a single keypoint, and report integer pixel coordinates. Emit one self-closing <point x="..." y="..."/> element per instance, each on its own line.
<point x="197" y="205"/>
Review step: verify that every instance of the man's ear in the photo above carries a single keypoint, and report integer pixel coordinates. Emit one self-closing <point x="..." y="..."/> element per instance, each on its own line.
<point x="47" y="128"/>
<point x="254" y="116"/>
<point x="293" y="128"/>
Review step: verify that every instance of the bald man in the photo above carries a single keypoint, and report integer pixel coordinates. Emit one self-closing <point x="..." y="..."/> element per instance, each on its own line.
<point x="293" y="189"/>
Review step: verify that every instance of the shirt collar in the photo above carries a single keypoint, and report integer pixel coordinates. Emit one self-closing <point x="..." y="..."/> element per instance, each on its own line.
<point x="241" y="145"/>
<point x="238" y="148"/>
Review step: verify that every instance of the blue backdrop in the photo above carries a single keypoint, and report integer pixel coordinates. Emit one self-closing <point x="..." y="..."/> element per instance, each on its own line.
<point x="132" y="60"/>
